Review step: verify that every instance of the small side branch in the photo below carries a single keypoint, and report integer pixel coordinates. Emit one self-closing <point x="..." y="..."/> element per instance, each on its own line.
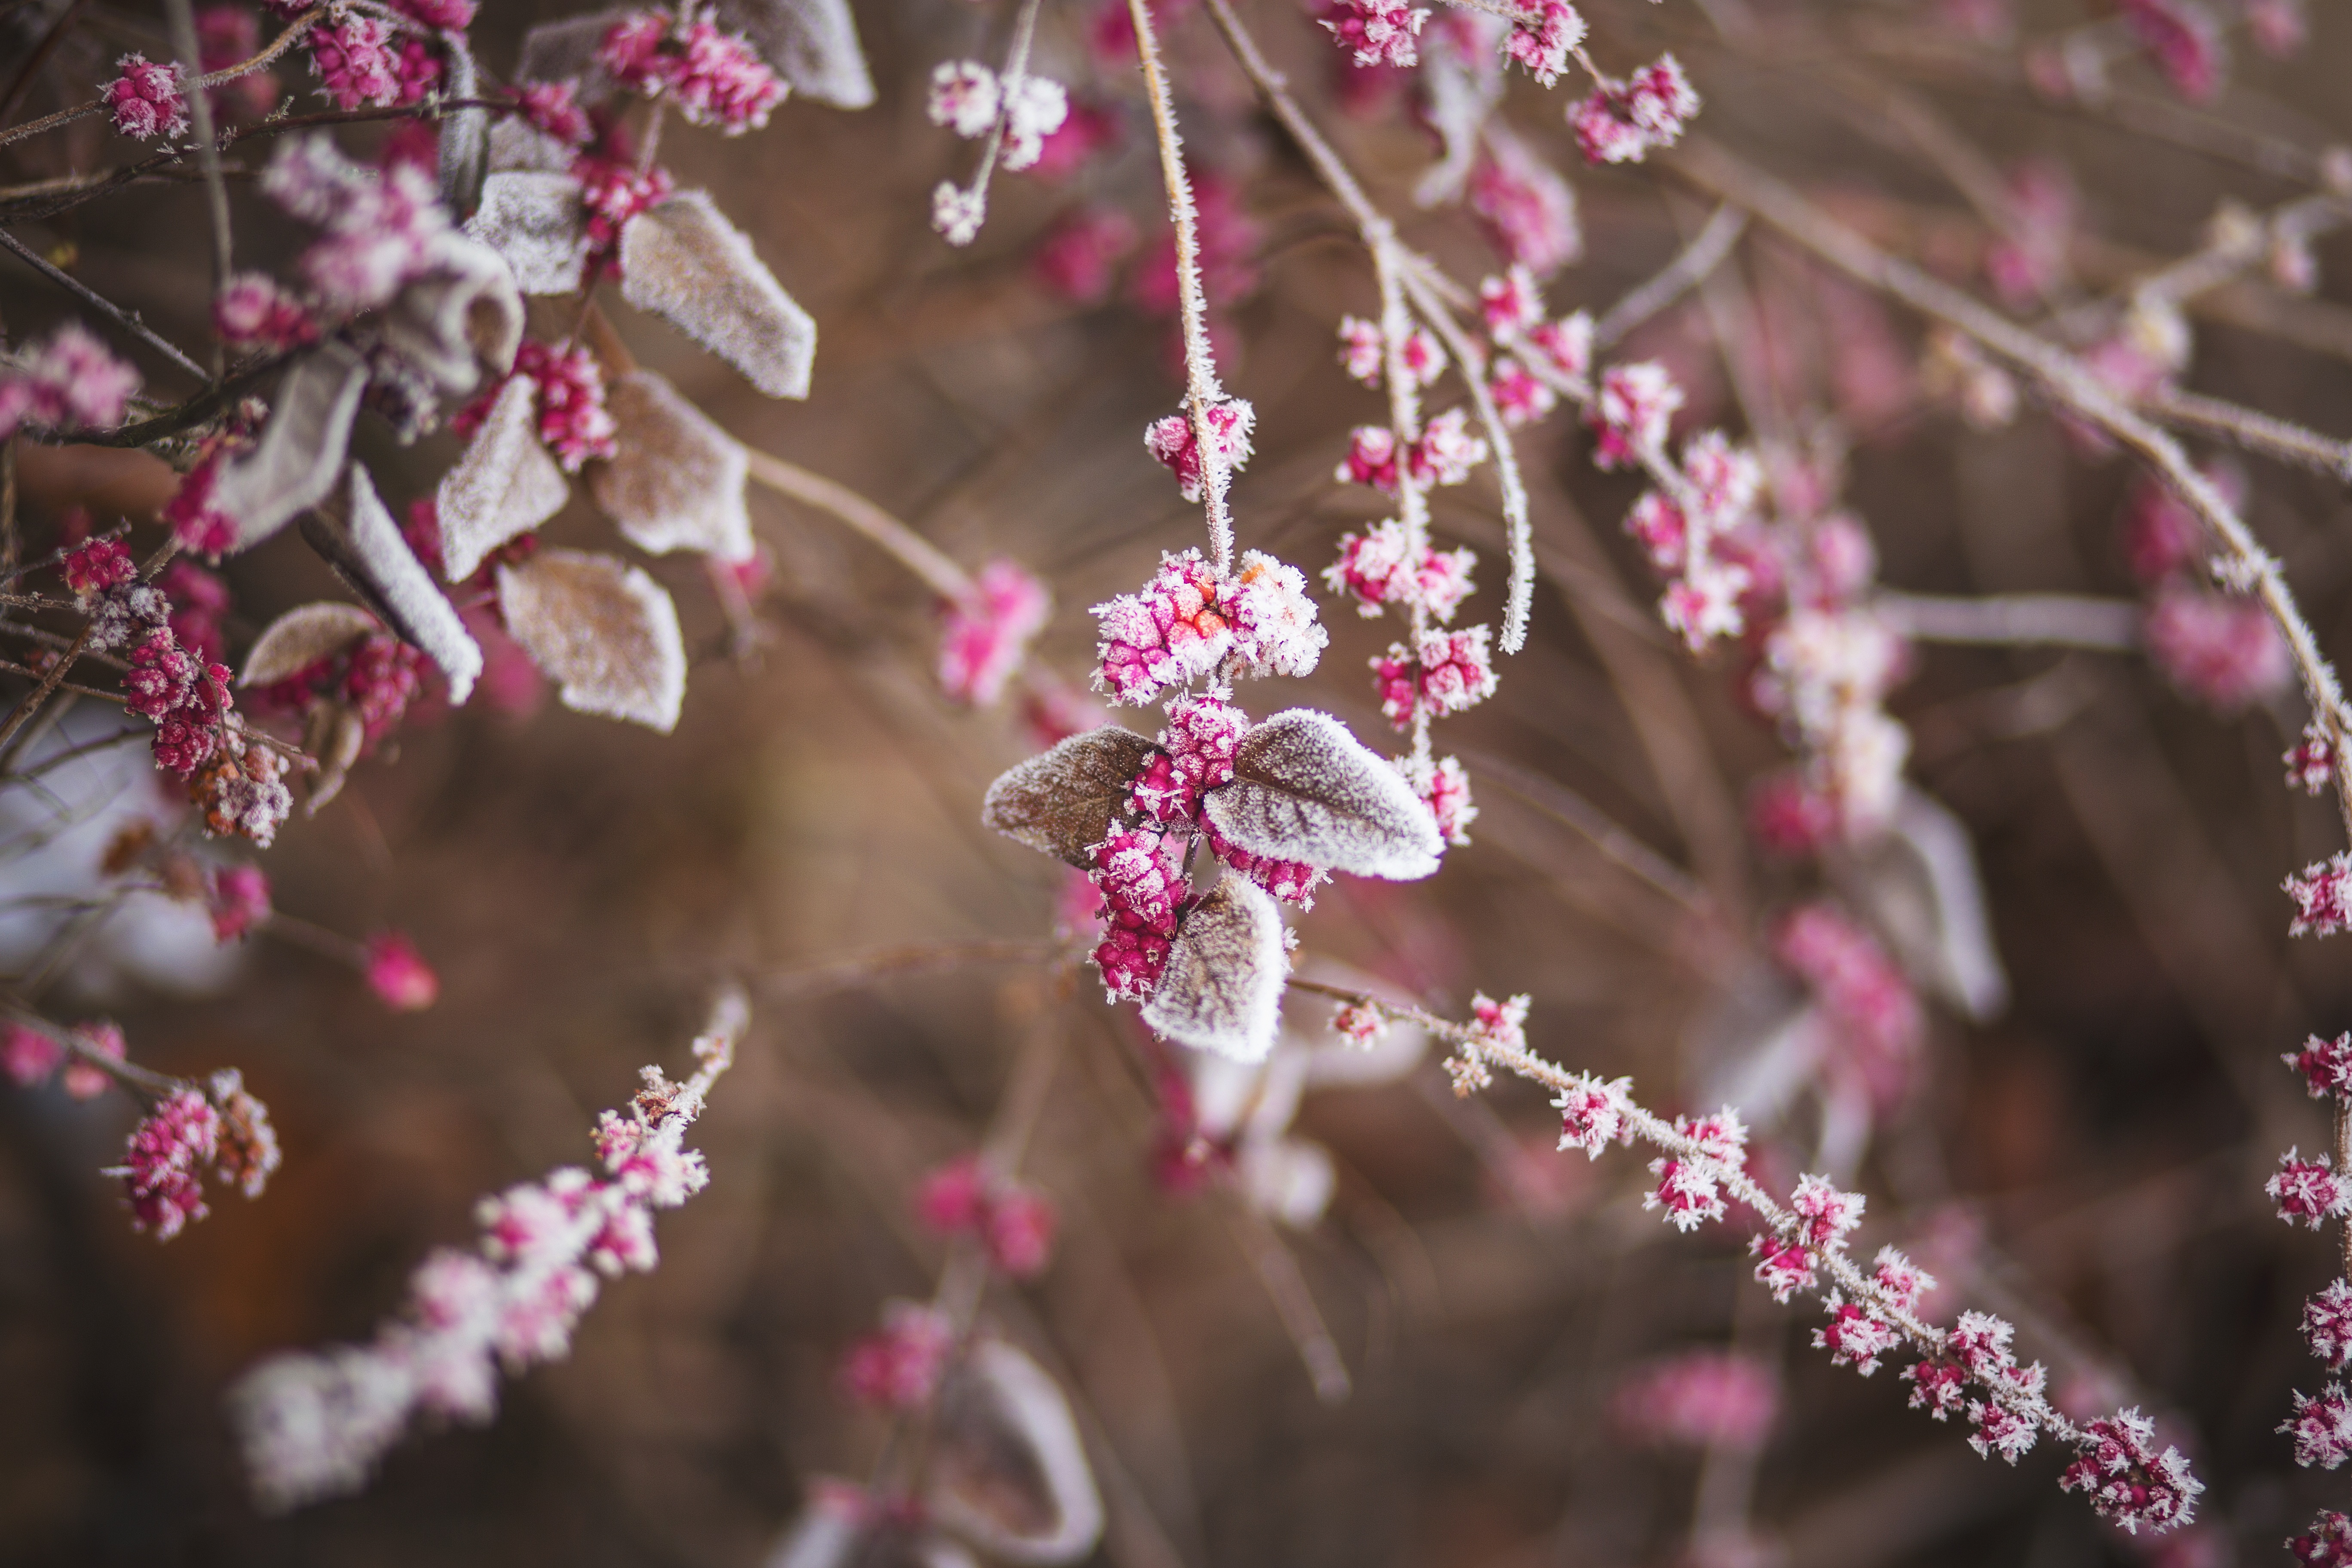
<point x="2053" y="620"/>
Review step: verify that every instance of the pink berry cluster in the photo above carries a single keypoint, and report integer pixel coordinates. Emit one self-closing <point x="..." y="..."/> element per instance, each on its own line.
<point x="253" y="312"/>
<point x="898" y="1366"/>
<point x="715" y="77"/>
<point x="2223" y="650"/>
<point x="1142" y="893"/>
<point x="1527" y="210"/>
<point x="381" y="227"/>
<point x="367" y="62"/>
<point x="30" y="1055"/>
<point x="1445" y="453"/>
<point x="186" y="696"/>
<point x="145" y="100"/>
<point x="375" y="678"/>
<point x="612" y="191"/>
<point x="1622" y="120"/>
<point x="1191" y="622"/>
<point x="68" y="382"/>
<point x="237" y="899"/>
<point x="1544" y="39"/>
<point x="1689" y="1190"/>
<point x="987" y="632"/>
<point x="574" y="422"/>
<point x="2313" y="1192"/>
<point x="122" y="608"/>
<point x="1014" y="1224"/>
<point x="1174" y="441"/>
<point x="1876" y="1026"/>
<point x="1377" y="32"/>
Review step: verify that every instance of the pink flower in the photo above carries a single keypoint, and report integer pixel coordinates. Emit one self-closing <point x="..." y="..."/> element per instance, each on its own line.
<point x="1447" y="450"/>
<point x="71" y="380"/>
<point x="2321" y="1427"/>
<point x="1631" y="412"/>
<point x="988" y="631"/>
<point x="2323" y="897"/>
<point x="1512" y="303"/>
<point x="357" y="63"/>
<point x="167" y="1154"/>
<point x="1701" y="1399"/>
<point x="1520" y="398"/>
<point x="1590" y="1118"/>
<point x="1078" y="256"/>
<point x="717" y="80"/>
<point x="1377" y="32"/>
<point x="145" y="100"/>
<point x="898" y="1367"/>
<point x="2307" y="1190"/>
<point x="1543" y="42"/>
<point x="2327" y="1324"/>
<point x="29" y="1056"/>
<point x="2223" y="650"/>
<point x="237" y="901"/>
<point x="2325" y="1066"/>
<point x="1527" y="210"/>
<point x="251" y="312"/>
<point x="551" y="109"/>
<point x="1855" y="1336"/>
<point x="397" y="973"/>
<point x="1456" y="671"/>
<point x="1179" y="627"/>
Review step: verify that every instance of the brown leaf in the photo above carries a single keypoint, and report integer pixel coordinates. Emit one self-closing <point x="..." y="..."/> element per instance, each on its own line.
<point x="1222" y="990"/>
<point x="1063" y="801"/>
<point x="464" y="316"/>
<point x="365" y="548"/>
<point x="1008" y="1470"/>
<point x="536" y="222"/>
<point x="812" y="44"/>
<point x="603" y="630"/>
<point x="684" y="260"/>
<point x="303" y="637"/>
<point x="504" y="486"/>
<point x="333" y="738"/>
<point x="674" y="480"/>
<point x="295" y="463"/>
<point x="1305" y="789"/>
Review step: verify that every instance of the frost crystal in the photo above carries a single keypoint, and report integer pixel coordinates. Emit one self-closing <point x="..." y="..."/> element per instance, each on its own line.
<point x="2327" y="1324"/>
<point x="2307" y="1190"/>
<point x="1588" y="1115"/>
<point x="2129" y="1485"/>
<point x="1544" y="41"/>
<point x="145" y="100"/>
<point x="1855" y="1336"/>
<point x="2323" y="897"/>
<point x="1377" y="32"/>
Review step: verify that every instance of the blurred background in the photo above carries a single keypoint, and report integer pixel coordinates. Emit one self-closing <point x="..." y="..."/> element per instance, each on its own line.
<point x="2088" y="1162"/>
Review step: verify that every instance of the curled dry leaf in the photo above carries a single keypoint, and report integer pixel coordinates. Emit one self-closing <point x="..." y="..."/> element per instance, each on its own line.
<point x="1062" y="801"/>
<point x="1305" y="789"/>
<point x="365" y="548"/>
<point x="465" y="133"/>
<point x="674" y="480"/>
<point x="295" y="463"/>
<point x="684" y="260"/>
<point x="463" y="318"/>
<point x="812" y="44"/>
<point x="1008" y="1471"/>
<point x="505" y="485"/>
<point x="334" y="737"/>
<point x="303" y="637"/>
<point x="1222" y="990"/>
<point x="1920" y="884"/>
<point x="606" y="632"/>
<point x="534" y="220"/>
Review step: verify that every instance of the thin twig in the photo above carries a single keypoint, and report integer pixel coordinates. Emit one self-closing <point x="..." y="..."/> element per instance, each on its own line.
<point x="910" y="549"/>
<point x="1702" y="256"/>
<point x="128" y="320"/>
<point x="39" y="56"/>
<point x="296" y="31"/>
<point x="182" y="17"/>
<point x="2054" y="620"/>
<point x="31" y="703"/>
<point x="2255" y="431"/>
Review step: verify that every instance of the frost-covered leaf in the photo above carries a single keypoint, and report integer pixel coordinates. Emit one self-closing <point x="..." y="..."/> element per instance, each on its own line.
<point x="462" y="318"/>
<point x="1008" y="1470"/>
<point x="465" y="133"/>
<point x="514" y="144"/>
<point x="1222" y="990"/>
<point x="1062" y="801"/>
<point x="1919" y="883"/>
<point x="812" y="44"/>
<point x="1462" y="94"/>
<point x="566" y="51"/>
<point x="303" y="637"/>
<point x="295" y="463"/>
<point x="333" y="738"/>
<point x="1305" y="789"/>
<point x="505" y="485"/>
<point x="684" y="260"/>
<point x="536" y="222"/>
<point x="606" y="632"/>
<point x="674" y="480"/>
<point x="365" y="548"/>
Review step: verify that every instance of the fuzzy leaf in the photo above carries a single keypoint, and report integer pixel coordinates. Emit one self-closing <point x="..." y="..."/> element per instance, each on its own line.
<point x="333" y="738"/>
<point x="1920" y="884"/>
<point x="1305" y="789"/>
<point x="465" y="133"/>
<point x="812" y="44"/>
<point x="465" y="316"/>
<point x="517" y="146"/>
<point x="504" y="486"/>
<point x="1222" y="990"/>
<point x="303" y="637"/>
<point x="566" y="51"/>
<point x="536" y="222"/>
<point x="684" y="260"/>
<point x="1008" y="1470"/>
<point x="674" y="480"/>
<point x="1063" y="801"/>
<point x="366" y="550"/>
<point x="295" y="463"/>
<point x="603" y="630"/>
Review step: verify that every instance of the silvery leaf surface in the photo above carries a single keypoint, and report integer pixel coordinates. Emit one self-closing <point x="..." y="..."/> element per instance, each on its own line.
<point x="517" y="146"/>
<point x="462" y="318"/>
<point x="504" y="486"/>
<point x="812" y="44"/>
<point x="465" y="133"/>
<point x="536" y="222"/>
<point x="365" y="548"/>
<point x="1008" y="1470"/>
<point x="1063" y="801"/>
<point x="296" y="463"/>
<point x="602" y="630"/>
<point x="683" y="261"/>
<point x="1305" y="789"/>
<point x="674" y="480"/>
<point x="303" y="637"/>
<point x="565" y="50"/>
<point x="1222" y="990"/>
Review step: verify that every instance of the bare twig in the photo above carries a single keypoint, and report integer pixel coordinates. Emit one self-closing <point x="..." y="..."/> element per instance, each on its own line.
<point x="2057" y="620"/>
<point x="128" y="320"/>
<point x="918" y="555"/>
<point x="1702" y="256"/>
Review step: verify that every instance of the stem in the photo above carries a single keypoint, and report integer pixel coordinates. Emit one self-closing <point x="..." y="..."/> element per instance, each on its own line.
<point x="128" y="320"/>
<point x="182" y="17"/>
<point x="32" y="702"/>
<point x="295" y="32"/>
<point x="910" y="549"/>
<point x="40" y="56"/>
<point x="2062" y="620"/>
<point x="1702" y="256"/>
<point x="2256" y="432"/>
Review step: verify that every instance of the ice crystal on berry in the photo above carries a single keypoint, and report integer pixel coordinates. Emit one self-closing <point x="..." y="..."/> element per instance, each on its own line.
<point x="987" y="632"/>
<point x="2307" y="1190"/>
<point x="145" y="100"/>
<point x="2323" y="897"/>
<point x="1377" y="32"/>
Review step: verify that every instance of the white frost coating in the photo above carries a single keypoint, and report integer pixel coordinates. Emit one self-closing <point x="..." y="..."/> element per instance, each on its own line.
<point x="1305" y="789"/>
<point x="812" y="44"/>
<point x="684" y="260"/>
<point x="517" y="146"/>
<point x="505" y="485"/>
<point x="674" y="480"/>
<point x="535" y="221"/>
<point x="606" y="632"/>
<point x="419" y="610"/>
<point x="303" y="637"/>
<point x="1009" y="1471"/>
<point x="295" y="465"/>
<point x="1222" y="990"/>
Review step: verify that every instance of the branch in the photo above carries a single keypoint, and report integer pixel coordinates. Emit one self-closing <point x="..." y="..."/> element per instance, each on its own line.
<point x="128" y="320"/>
<point x="2060" y="620"/>
<point x="1702" y="256"/>
<point x="910" y="549"/>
